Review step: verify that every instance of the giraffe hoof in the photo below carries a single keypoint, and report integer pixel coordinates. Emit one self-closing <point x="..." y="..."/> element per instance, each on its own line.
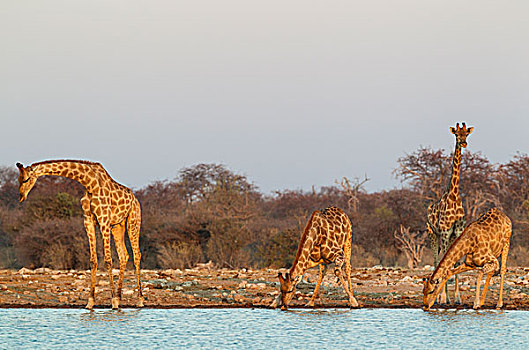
<point x="115" y="303"/>
<point x="476" y="306"/>
<point x="90" y="304"/>
<point x="354" y="303"/>
<point x="310" y="304"/>
<point x="499" y="306"/>
<point x="140" y="302"/>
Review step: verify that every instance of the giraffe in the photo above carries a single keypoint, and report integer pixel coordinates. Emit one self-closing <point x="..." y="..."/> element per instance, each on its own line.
<point x="105" y="202"/>
<point x="483" y="241"/>
<point x="446" y="218"/>
<point x="327" y="239"/>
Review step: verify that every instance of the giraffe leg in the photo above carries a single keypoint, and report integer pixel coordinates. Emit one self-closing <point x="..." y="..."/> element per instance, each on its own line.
<point x="348" y="270"/>
<point x="485" y="288"/>
<point x="459" y="227"/>
<point x="492" y="265"/>
<point x="503" y="269"/>
<point x="106" y="232"/>
<point x="434" y="244"/>
<point x="315" y="294"/>
<point x="445" y="244"/>
<point x="338" y="271"/>
<point x="118" y="232"/>
<point x="89" y="224"/>
<point x="478" y="282"/>
<point x="133" y="228"/>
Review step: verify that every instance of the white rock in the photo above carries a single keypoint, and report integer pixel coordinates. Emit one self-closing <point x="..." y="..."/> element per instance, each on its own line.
<point x="42" y="270"/>
<point x="24" y="271"/>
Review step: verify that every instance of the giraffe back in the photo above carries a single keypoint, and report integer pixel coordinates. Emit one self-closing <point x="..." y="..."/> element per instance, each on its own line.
<point x="117" y="197"/>
<point x="488" y="234"/>
<point x="333" y="234"/>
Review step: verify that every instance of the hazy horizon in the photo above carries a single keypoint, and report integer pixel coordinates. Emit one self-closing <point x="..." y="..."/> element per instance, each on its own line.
<point x="291" y="94"/>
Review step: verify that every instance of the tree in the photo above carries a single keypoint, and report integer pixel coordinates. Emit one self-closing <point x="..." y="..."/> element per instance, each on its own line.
<point x="411" y="243"/>
<point x="426" y="171"/>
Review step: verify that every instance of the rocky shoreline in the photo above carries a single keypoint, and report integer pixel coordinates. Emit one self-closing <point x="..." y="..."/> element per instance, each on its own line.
<point x="208" y="287"/>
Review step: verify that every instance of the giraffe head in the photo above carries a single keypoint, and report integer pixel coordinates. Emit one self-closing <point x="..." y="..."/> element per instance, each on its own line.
<point x="26" y="180"/>
<point x="430" y="291"/>
<point x="288" y="288"/>
<point x="461" y="134"/>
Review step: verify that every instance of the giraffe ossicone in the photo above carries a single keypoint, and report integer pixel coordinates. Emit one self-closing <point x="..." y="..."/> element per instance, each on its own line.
<point x="106" y="203"/>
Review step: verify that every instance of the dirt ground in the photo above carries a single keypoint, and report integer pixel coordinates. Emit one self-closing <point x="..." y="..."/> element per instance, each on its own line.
<point x="207" y="287"/>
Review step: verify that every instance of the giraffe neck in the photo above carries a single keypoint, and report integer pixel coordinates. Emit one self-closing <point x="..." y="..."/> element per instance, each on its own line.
<point x="453" y="186"/>
<point x="456" y="251"/>
<point x="298" y="268"/>
<point x="304" y="249"/>
<point x="78" y="171"/>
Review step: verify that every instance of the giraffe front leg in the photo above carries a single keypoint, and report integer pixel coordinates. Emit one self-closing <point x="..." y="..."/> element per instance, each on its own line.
<point x="485" y="288"/>
<point x="434" y="244"/>
<point x="488" y="268"/>
<point x="503" y="270"/>
<point x="118" y="232"/>
<point x="457" y="293"/>
<point x="89" y="224"/>
<point x="459" y="227"/>
<point x="133" y="228"/>
<point x="444" y="298"/>
<point x="106" y="232"/>
<point x="315" y="294"/>
<point x="478" y="283"/>
<point x="338" y="271"/>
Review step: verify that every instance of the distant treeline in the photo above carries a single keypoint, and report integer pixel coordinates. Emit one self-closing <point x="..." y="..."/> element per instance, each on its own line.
<point x="209" y="213"/>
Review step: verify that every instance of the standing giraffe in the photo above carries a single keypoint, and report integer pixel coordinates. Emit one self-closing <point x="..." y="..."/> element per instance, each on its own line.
<point x="482" y="242"/>
<point x="446" y="218"/>
<point x="327" y="238"/>
<point x="106" y="202"/>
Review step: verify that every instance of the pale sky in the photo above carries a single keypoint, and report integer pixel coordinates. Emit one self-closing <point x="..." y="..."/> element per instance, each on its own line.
<point x="290" y="93"/>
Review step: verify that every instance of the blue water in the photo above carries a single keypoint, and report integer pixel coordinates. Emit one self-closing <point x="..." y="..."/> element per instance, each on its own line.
<point x="261" y="329"/>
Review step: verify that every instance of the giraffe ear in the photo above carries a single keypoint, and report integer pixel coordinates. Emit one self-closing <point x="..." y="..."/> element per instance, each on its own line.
<point x="453" y="130"/>
<point x="469" y="130"/>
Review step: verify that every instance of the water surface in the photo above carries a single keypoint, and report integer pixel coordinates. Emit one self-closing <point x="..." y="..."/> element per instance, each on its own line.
<point x="262" y="328"/>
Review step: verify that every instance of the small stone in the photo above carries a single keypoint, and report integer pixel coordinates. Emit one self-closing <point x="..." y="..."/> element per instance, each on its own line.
<point x="42" y="270"/>
<point x="24" y="271"/>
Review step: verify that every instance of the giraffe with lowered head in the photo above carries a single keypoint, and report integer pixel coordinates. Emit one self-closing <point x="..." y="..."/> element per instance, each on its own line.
<point x="327" y="239"/>
<point x="483" y="241"/>
<point x="446" y="218"/>
<point x="105" y="202"/>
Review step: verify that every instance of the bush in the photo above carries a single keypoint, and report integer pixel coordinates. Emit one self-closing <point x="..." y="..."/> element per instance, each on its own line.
<point x="181" y="255"/>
